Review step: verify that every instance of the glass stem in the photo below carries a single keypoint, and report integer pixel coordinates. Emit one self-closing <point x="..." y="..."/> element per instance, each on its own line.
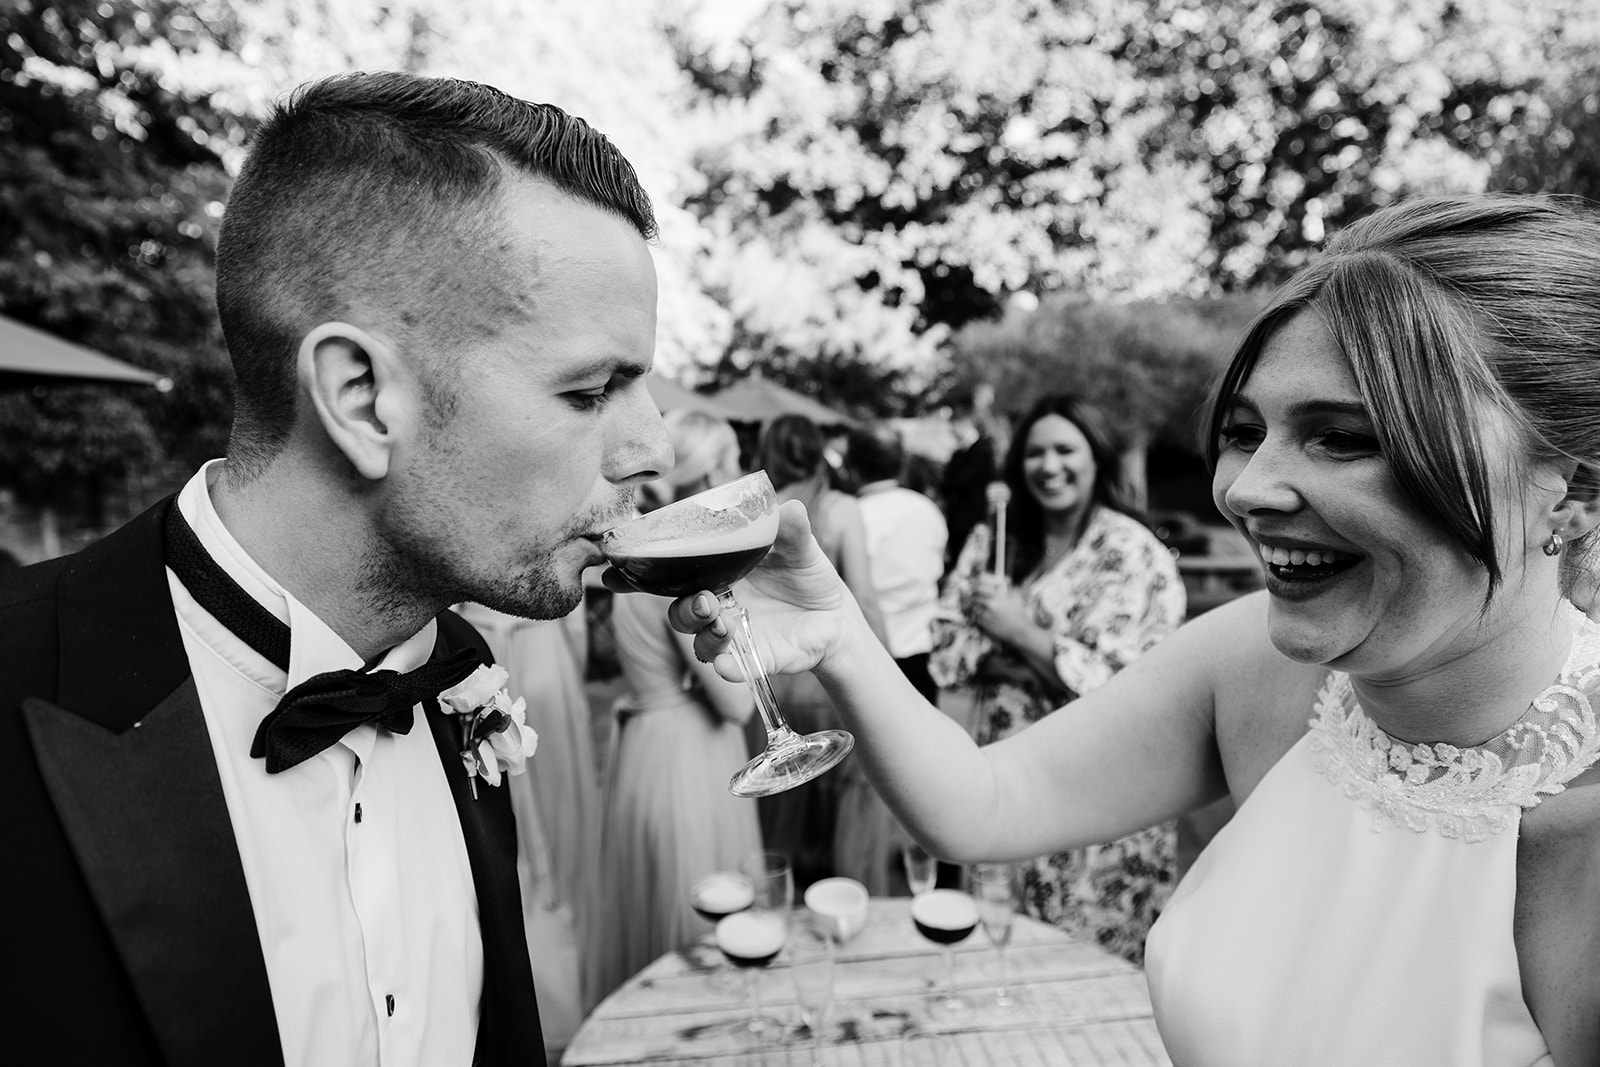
<point x="744" y="651"/>
<point x="1003" y="974"/>
<point x="755" y="998"/>
<point x="950" y="970"/>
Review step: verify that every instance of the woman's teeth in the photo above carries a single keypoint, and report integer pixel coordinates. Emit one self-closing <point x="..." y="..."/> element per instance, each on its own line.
<point x="1296" y="557"/>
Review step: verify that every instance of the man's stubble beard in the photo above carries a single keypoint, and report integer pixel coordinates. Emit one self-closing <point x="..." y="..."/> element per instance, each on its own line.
<point x="407" y="572"/>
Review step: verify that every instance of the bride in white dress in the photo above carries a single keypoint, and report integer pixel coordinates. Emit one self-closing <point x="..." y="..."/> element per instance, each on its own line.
<point x="1405" y="718"/>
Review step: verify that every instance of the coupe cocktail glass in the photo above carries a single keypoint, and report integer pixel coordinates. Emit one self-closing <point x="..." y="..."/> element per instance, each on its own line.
<point x="709" y="541"/>
<point x="945" y="917"/>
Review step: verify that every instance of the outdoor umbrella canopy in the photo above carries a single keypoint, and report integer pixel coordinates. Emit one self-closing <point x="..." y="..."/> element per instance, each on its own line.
<point x="756" y="399"/>
<point x="30" y="357"/>
<point x="668" y="394"/>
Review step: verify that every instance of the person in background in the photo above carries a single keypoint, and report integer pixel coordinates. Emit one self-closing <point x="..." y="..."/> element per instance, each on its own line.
<point x="669" y="818"/>
<point x="1086" y="589"/>
<point x="905" y="538"/>
<point x="802" y="821"/>
<point x="1405" y="718"/>
<point x="964" y="481"/>
<point x="255" y="764"/>
<point x="557" y="807"/>
<point x="905" y="535"/>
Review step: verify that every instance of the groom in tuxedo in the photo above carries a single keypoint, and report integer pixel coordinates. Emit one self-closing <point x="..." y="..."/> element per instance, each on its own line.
<point x="242" y="830"/>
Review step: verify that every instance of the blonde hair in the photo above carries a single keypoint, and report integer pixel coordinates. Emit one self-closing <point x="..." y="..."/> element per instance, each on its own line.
<point x="701" y="445"/>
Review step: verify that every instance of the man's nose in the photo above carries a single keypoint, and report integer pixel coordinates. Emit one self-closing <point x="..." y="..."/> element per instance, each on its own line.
<point x="642" y="450"/>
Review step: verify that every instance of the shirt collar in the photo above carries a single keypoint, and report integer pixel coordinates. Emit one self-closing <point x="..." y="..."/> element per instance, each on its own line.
<point x="313" y="646"/>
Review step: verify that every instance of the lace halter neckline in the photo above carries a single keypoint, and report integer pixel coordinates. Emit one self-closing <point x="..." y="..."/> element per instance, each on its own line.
<point x="1468" y="793"/>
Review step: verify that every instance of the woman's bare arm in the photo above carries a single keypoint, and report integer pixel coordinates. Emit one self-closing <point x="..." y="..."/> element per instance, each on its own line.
<point x="1138" y="750"/>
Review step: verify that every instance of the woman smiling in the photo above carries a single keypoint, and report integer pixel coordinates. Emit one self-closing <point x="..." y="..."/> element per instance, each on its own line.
<point x="1087" y="588"/>
<point x="1410" y="435"/>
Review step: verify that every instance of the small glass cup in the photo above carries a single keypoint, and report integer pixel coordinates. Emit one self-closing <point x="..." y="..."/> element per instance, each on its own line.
<point x="752" y="937"/>
<point x="714" y="898"/>
<point x="946" y="917"/>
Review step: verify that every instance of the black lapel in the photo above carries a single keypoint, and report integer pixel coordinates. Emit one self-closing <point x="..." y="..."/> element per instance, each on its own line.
<point x="127" y="759"/>
<point x="508" y="1025"/>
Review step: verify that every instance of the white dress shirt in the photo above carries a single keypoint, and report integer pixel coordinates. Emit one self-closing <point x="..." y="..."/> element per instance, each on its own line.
<point x="906" y="535"/>
<point x="357" y="870"/>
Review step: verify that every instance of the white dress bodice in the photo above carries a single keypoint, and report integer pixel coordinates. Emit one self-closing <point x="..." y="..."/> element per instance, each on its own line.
<point x="1358" y="908"/>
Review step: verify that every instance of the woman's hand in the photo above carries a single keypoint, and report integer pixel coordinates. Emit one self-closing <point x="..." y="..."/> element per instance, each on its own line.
<point x="800" y="609"/>
<point x="1000" y="610"/>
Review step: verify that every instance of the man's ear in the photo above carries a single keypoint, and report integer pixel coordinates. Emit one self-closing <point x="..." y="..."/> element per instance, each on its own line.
<point x="357" y="391"/>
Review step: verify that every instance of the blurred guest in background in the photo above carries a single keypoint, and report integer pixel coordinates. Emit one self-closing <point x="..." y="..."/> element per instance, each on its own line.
<point x="980" y="438"/>
<point x="557" y="804"/>
<point x="801" y="821"/>
<point x="905" y="535"/>
<point x="669" y="818"/>
<point x="1084" y="589"/>
<point x="905" y="551"/>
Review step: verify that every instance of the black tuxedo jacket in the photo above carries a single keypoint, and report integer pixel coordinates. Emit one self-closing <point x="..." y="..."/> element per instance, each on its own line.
<point x="130" y="937"/>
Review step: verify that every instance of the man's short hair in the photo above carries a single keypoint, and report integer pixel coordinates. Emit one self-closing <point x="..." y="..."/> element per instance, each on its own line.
<point x="380" y="191"/>
<point x="876" y="454"/>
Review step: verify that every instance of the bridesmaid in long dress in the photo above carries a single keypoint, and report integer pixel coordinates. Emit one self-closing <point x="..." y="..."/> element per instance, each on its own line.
<point x="669" y="818"/>
<point x="557" y="803"/>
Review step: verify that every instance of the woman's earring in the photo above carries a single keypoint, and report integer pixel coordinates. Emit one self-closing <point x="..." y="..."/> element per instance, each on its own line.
<point x="1552" y="547"/>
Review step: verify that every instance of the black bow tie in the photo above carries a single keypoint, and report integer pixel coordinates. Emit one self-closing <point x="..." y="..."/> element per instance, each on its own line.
<point x="319" y="711"/>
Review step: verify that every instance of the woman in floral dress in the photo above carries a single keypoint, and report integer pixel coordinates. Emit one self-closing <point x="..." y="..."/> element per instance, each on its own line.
<point x="1086" y="588"/>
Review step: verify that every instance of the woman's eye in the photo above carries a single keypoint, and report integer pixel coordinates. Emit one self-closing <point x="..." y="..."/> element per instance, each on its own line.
<point x="1240" y="435"/>
<point x="1348" y="443"/>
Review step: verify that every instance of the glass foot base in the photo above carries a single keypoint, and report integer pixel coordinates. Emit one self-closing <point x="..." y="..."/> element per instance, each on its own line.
<point x="761" y="1029"/>
<point x="949" y="1008"/>
<point x="793" y="761"/>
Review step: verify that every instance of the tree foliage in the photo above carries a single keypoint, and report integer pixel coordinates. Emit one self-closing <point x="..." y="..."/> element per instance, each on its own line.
<point x="1557" y="152"/>
<point x="890" y="170"/>
<point x="853" y="193"/>
<point x="1146" y="364"/>
<point x="109" y="198"/>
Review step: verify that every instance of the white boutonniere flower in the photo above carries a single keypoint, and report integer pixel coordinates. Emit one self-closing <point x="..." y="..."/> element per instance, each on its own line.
<point x="494" y="728"/>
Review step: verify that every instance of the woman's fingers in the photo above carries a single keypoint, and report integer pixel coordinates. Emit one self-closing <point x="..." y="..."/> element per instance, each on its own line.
<point x="692" y="614"/>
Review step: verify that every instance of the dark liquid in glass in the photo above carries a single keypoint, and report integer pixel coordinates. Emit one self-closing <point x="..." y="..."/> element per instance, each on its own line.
<point x="944" y="935"/>
<point x="751" y="961"/>
<point x="711" y="916"/>
<point x="675" y="576"/>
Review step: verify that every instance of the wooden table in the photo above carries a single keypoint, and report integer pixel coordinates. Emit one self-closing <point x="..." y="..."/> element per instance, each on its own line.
<point x="1086" y="1007"/>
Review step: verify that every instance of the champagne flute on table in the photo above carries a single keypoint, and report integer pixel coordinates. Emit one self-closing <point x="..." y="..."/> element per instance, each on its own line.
<point x="751" y="938"/>
<point x="715" y="897"/>
<point x="946" y="917"/>
<point x="709" y="541"/>
<point x="811" y="957"/>
<point x="995" y="887"/>
<point x="922" y="870"/>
